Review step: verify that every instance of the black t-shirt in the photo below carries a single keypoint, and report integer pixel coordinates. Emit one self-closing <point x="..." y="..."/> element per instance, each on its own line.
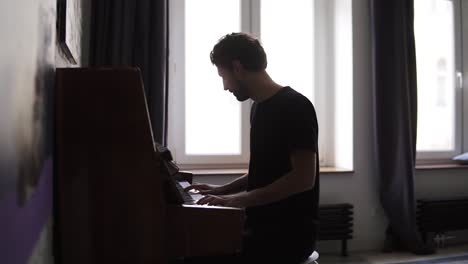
<point x="284" y="122"/>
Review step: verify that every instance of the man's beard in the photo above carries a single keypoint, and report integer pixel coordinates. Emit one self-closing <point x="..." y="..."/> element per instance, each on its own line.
<point x="240" y="94"/>
<point x="241" y="97"/>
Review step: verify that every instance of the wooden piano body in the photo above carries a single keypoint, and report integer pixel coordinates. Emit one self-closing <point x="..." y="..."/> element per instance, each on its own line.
<point x="109" y="202"/>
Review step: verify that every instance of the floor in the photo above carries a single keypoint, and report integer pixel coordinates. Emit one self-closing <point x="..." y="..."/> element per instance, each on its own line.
<point x="385" y="258"/>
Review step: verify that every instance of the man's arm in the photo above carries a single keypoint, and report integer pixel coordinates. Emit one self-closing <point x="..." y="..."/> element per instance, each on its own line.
<point x="237" y="185"/>
<point x="299" y="179"/>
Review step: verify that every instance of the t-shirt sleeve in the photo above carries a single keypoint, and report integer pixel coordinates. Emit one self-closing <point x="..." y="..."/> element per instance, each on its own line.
<point x="302" y="130"/>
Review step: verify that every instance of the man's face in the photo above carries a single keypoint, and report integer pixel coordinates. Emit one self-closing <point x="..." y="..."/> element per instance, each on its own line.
<point x="233" y="84"/>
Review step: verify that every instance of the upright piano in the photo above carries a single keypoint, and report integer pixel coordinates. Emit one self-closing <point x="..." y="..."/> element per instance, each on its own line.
<point x="112" y="196"/>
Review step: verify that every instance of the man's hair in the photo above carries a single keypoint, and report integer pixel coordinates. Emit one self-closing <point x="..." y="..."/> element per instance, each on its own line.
<point x="242" y="47"/>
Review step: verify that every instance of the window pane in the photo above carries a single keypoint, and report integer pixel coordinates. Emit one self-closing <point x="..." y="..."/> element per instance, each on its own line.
<point x="212" y="116"/>
<point x="435" y="53"/>
<point x="287" y="30"/>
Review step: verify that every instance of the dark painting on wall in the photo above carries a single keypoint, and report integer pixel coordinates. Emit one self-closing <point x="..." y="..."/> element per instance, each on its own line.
<point x="69" y="16"/>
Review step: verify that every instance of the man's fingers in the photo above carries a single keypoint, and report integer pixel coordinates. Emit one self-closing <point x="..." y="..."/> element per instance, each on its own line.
<point x="204" y="200"/>
<point x="201" y="188"/>
<point x="211" y="200"/>
<point x="197" y="187"/>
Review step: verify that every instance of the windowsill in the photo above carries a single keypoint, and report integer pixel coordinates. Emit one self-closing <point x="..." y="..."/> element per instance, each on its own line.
<point x="239" y="172"/>
<point x="218" y="172"/>
<point x="329" y="170"/>
<point x="439" y="165"/>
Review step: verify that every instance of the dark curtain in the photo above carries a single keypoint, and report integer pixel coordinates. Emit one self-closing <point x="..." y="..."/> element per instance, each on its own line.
<point x="395" y="113"/>
<point x="135" y="33"/>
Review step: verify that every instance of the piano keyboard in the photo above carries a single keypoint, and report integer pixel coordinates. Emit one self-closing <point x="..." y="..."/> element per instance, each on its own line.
<point x="188" y="197"/>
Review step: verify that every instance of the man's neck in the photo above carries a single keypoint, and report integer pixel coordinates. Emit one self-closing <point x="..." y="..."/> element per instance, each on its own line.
<point x="262" y="87"/>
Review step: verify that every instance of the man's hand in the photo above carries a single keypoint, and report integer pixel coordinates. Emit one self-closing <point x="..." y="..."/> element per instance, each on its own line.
<point x="205" y="189"/>
<point x="232" y="200"/>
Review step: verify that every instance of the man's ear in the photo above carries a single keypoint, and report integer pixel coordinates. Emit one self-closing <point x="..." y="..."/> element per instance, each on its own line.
<point x="237" y="67"/>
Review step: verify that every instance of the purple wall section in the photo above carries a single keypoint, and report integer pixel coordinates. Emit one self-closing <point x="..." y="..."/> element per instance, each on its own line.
<point x="20" y="227"/>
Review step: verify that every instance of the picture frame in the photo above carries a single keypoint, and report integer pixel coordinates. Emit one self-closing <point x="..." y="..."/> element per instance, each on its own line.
<point x="68" y="28"/>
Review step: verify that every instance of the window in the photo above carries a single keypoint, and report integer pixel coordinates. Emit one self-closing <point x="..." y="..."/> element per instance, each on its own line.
<point x="439" y="59"/>
<point x="304" y="40"/>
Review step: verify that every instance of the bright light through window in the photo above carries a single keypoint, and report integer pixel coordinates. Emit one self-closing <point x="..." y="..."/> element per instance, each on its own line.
<point x="435" y="52"/>
<point x="212" y="115"/>
<point x="308" y="46"/>
<point x="289" y="47"/>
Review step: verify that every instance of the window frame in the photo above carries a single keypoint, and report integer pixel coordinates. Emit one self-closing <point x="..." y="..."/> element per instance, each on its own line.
<point x="428" y="156"/>
<point x="176" y="79"/>
<point x="464" y="72"/>
<point x="324" y="34"/>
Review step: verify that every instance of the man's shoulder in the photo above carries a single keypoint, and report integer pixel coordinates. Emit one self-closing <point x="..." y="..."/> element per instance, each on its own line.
<point x="295" y="96"/>
<point x="294" y="101"/>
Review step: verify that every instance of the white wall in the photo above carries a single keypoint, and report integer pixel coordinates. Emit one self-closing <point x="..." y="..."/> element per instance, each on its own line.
<point x="42" y="252"/>
<point x="361" y="187"/>
<point x="27" y="31"/>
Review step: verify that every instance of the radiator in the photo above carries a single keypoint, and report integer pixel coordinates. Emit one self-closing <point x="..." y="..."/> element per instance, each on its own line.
<point x="336" y="223"/>
<point x="442" y="215"/>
